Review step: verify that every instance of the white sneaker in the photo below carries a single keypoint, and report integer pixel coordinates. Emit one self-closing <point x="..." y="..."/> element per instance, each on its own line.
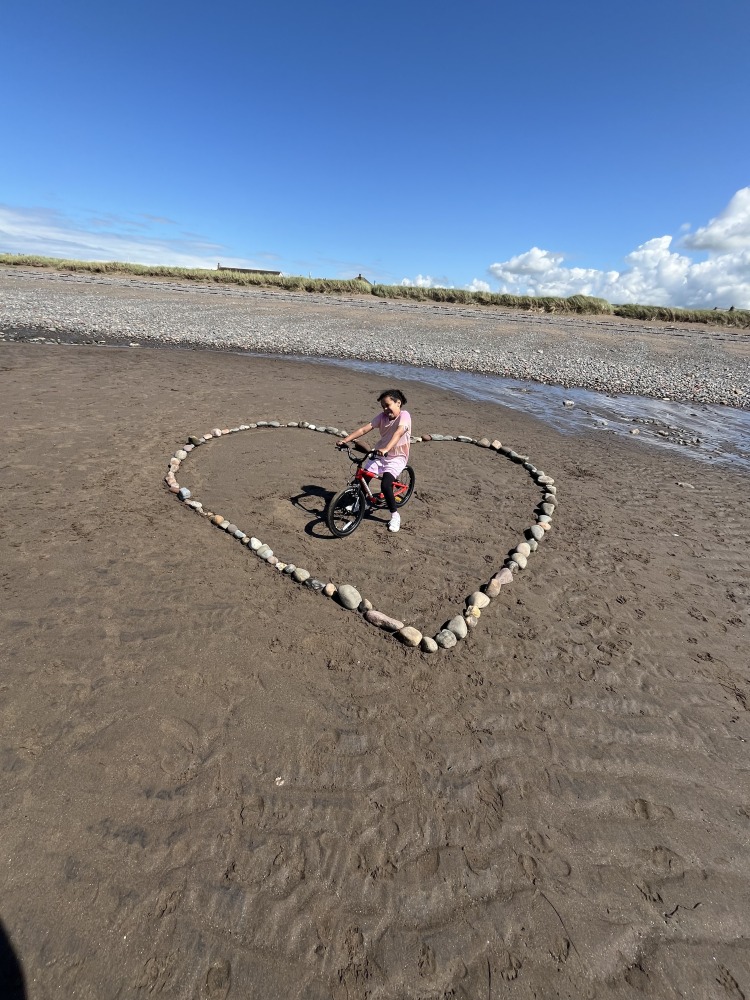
<point x="395" y="522"/>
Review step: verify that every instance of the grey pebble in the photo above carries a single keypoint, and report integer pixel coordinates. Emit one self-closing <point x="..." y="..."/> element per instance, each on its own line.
<point x="349" y="596"/>
<point x="445" y="639"/>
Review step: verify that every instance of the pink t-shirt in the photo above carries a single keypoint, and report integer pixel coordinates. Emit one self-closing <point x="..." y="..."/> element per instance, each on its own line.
<point x="387" y="429"/>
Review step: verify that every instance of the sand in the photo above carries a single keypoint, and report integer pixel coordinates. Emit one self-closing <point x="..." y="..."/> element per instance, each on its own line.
<point x="218" y="784"/>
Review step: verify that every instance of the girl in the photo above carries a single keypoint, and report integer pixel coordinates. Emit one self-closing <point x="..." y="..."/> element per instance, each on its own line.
<point x="392" y="450"/>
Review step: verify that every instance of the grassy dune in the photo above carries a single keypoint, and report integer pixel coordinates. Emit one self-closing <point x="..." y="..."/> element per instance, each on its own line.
<point x="580" y="304"/>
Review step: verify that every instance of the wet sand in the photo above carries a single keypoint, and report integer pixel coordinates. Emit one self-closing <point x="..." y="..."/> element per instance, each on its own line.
<point x="219" y="784"/>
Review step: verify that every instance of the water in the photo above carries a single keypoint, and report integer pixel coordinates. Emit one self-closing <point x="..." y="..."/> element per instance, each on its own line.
<point x="724" y="431"/>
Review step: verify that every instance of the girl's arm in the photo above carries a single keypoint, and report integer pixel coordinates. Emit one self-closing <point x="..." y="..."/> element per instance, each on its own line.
<point x="397" y="435"/>
<point x="354" y="435"/>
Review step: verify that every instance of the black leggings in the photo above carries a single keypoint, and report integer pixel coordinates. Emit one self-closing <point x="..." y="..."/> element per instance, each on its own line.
<point x="387" y="481"/>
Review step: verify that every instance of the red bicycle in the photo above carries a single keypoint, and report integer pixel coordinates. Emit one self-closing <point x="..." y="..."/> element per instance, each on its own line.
<point x="346" y="509"/>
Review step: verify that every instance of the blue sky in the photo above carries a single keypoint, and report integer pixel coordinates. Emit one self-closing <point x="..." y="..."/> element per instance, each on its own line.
<point x="548" y="148"/>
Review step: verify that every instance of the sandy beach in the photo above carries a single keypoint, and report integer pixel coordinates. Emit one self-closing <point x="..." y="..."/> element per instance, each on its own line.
<point x="219" y="784"/>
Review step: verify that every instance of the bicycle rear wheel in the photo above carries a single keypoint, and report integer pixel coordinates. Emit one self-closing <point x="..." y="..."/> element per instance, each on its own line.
<point x="345" y="512"/>
<point x="403" y="486"/>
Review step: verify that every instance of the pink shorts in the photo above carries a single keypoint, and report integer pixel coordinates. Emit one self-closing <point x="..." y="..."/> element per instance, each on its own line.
<point x="395" y="465"/>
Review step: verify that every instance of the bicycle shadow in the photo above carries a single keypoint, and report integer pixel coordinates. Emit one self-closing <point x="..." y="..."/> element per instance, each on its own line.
<point x="313" y="499"/>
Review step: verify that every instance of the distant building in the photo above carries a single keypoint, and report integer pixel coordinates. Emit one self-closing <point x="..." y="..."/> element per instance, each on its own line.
<point x="361" y="277"/>
<point x="247" y="270"/>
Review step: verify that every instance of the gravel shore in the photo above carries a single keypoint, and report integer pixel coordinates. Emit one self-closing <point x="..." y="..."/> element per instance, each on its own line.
<point x="677" y="361"/>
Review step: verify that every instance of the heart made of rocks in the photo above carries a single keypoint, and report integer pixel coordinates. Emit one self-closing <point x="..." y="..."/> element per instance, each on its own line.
<point x="345" y="594"/>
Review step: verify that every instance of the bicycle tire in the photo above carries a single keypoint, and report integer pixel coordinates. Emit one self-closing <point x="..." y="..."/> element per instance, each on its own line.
<point x="409" y="480"/>
<point x="345" y="511"/>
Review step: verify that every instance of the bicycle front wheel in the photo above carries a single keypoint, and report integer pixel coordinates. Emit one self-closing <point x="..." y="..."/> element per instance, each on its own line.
<point x="403" y="487"/>
<point x="345" y="512"/>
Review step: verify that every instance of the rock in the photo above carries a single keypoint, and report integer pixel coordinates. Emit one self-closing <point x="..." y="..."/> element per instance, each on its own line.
<point x="195" y="440"/>
<point x="293" y="423"/>
<point x="181" y="454"/>
<point x="535" y="532"/>
<point x="569" y="402"/>
<point x="544" y="519"/>
<point x="272" y="559"/>
<point x="427" y="437"/>
<point x="497" y="445"/>
<point x="551" y="490"/>
<point x="184" y="493"/>
<point x="330" y="589"/>
<point x="409" y="636"/>
<point x="349" y="596"/>
<point x="316" y="585"/>
<point x="230" y="528"/>
<point x="208" y="437"/>
<point x="255" y="544"/>
<point x="550" y="498"/>
<point x="216" y="432"/>
<point x="548" y="509"/>
<point x="239" y="533"/>
<point x="512" y="565"/>
<point x="520" y="560"/>
<point x="281" y="566"/>
<point x="457" y="626"/>
<point x="289" y="569"/>
<point x="500" y="579"/>
<point x="472" y="613"/>
<point x="300" y="575"/>
<point x="478" y="599"/>
<point x="484" y="442"/>
<point x="383" y="621"/>
<point x="523" y="548"/>
<point x="174" y="488"/>
<point x="274" y="423"/>
<point x="428" y="645"/>
<point x="464" y="438"/>
<point x="635" y="431"/>
<point x="445" y="639"/>
<point x="533" y="544"/>
<point x="265" y="551"/>
<point x="545" y="480"/>
<point x="364" y="605"/>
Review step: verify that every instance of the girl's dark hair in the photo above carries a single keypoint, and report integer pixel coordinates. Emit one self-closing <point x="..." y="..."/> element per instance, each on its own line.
<point x="393" y="394"/>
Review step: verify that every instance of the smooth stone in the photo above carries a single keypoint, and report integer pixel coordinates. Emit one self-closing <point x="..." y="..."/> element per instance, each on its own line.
<point x="231" y="528"/>
<point x="330" y="589"/>
<point x="520" y="559"/>
<point x="547" y="525"/>
<point x="529" y="466"/>
<point x="364" y="605"/>
<point x="293" y="423"/>
<point x="446" y="639"/>
<point x="383" y="621"/>
<point x="184" y="493"/>
<point x="274" y="423"/>
<point x="457" y="626"/>
<point x="512" y="565"/>
<point x="335" y="431"/>
<point x="464" y="439"/>
<point x="505" y="450"/>
<point x="349" y="596"/>
<point x="409" y="635"/>
<point x="569" y="402"/>
<point x="225" y="430"/>
<point x="174" y="488"/>
<point x="436" y="437"/>
<point x="243" y="427"/>
<point x="188" y="448"/>
<point x="427" y="437"/>
<point x="239" y="533"/>
<point x="255" y="543"/>
<point x="281" y="566"/>
<point x="535" y="532"/>
<point x="533" y="544"/>
<point x="545" y="480"/>
<point x="216" y="432"/>
<point x="181" y="454"/>
<point x="261" y="423"/>
<point x="195" y="440"/>
<point x="300" y="575"/>
<point x="195" y="504"/>
<point x="251" y="427"/>
<point x="497" y="445"/>
<point x="478" y="599"/>
<point x="550" y="498"/>
<point x="472" y="613"/>
<point x="524" y="549"/>
<point x="272" y="559"/>
<point x="265" y="551"/>
<point x="484" y="442"/>
<point x="428" y="645"/>
<point x="315" y="584"/>
<point x="289" y="569"/>
<point x="552" y="491"/>
<point x="544" y="518"/>
<point x="471" y="622"/>
<point x="635" y="431"/>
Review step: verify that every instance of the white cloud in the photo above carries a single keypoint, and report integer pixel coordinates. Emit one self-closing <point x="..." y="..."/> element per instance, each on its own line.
<point x="729" y="231"/>
<point x="53" y="234"/>
<point x="655" y="273"/>
<point x="424" y="281"/>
